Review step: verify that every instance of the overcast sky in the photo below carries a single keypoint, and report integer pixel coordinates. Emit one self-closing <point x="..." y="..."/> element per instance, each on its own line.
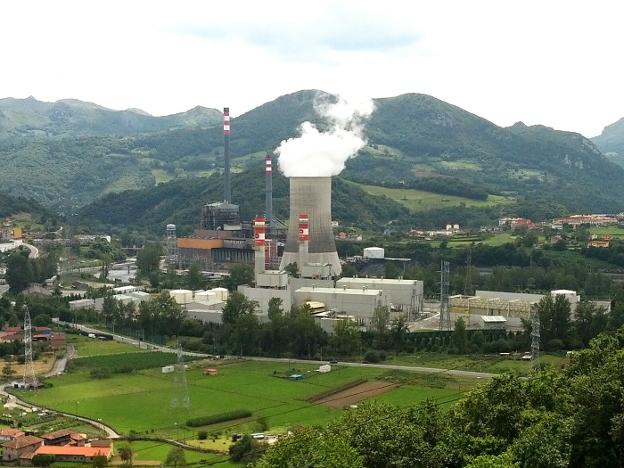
<point x="558" y="63"/>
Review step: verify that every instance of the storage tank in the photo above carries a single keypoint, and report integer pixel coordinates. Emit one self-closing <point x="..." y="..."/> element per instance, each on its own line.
<point x="568" y="294"/>
<point x="222" y="293"/>
<point x="311" y="195"/>
<point x="182" y="296"/>
<point x="207" y="297"/>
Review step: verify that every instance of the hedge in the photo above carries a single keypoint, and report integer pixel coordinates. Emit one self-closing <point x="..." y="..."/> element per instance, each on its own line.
<point x="217" y="418"/>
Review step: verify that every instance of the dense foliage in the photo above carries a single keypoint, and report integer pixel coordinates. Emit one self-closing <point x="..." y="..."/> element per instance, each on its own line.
<point x="217" y="418"/>
<point x="555" y="418"/>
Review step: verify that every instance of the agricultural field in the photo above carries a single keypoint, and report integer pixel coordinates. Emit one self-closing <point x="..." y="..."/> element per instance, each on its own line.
<point x="419" y="200"/>
<point x="493" y="364"/>
<point x="87" y="347"/>
<point x="142" y="401"/>
<point x="613" y="231"/>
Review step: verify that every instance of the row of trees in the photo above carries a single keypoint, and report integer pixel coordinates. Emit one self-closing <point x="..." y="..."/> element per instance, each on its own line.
<point x="555" y="418"/>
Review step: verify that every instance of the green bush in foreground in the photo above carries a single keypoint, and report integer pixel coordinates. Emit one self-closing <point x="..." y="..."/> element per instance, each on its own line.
<point x="217" y="418"/>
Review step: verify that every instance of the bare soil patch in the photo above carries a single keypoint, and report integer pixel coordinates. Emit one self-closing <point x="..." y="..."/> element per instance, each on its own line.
<point x="358" y="393"/>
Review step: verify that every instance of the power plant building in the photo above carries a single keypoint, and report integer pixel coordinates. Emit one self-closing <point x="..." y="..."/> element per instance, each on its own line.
<point x="404" y="296"/>
<point x="359" y="303"/>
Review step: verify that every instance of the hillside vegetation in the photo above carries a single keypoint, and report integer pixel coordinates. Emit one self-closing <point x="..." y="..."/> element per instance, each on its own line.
<point x="414" y="141"/>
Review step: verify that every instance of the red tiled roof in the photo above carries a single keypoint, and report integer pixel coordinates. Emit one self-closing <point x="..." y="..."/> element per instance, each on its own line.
<point x="21" y="442"/>
<point x="57" y="434"/>
<point x="74" y="451"/>
<point x="11" y="432"/>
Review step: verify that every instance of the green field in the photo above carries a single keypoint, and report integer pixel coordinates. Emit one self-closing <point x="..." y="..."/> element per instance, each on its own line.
<point x="142" y="401"/>
<point x="86" y="347"/>
<point x="491" y="363"/>
<point x="419" y="200"/>
<point x="614" y="231"/>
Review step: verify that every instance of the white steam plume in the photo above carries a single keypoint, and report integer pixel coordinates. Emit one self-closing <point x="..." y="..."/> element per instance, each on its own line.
<point x="324" y="153"/>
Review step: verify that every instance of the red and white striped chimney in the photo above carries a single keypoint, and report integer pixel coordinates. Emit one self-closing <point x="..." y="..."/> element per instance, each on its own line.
<point x="304" y="236"/>
<point x="269" y="193"/>
<point x="260" y="243"/>
<point x="227" y="188"/>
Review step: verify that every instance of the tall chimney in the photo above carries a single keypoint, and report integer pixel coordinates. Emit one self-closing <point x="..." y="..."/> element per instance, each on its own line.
<point x="304" y="237"/>
<point x="269" y="194"/>
<point x="227" y="189"/>
<point x="260" y="246"/>
<point x="312" y="196"/>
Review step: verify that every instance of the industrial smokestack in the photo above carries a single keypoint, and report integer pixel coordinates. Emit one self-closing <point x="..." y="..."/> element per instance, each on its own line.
<point x="260" y="246"/>
<point x="304" y="237"/>
<point x="312" y="196"/>
<point x="269" y="193"/>
<point x="227" y="189"/>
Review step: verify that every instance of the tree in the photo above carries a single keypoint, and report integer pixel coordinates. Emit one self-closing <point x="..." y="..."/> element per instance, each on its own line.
<point x="8" y="371"/>
<point x="19" y="272"/>
<point x="292" y="269"/>
<point x="346" y="340"/>
<point x="460" y="337"/>
<point x="379" y="326"/>
<point x="148" y="258"/>
<point x="275" y="308"/>
<point x="239" y="275"/>
<point x="99" y="461"/>
<point x="236" y="305"/>
<point x="43" y="460"/>
<point x="175" y="457"/>
<point x="125" y="453"/>
<point x="194" y="278"/>
<point x="310" y="447"/>
<point x="42" y="320"/>
<point x="245" y="450"/>
<point x="399" y="332"/>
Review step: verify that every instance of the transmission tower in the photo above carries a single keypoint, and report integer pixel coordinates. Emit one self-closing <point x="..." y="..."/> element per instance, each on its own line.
<point x="468" y="280"/>
<point x="181" y="397"/>
<point x="171" y="246"/>
<point x="30" y="381"/>
<point x="445" y="312"/>
<point x="535" y="340"/>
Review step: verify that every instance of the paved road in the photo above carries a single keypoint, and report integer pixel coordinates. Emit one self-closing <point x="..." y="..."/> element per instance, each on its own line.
<point x="60" y="364"/>
<point x="34" y="251"/>
<point x="422" y="370"/>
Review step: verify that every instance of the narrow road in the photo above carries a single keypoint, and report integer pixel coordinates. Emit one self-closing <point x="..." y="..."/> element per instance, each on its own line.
<point x="417" y="369"/>
<point x="60" y="364"/>
<point x="34" y="251"/>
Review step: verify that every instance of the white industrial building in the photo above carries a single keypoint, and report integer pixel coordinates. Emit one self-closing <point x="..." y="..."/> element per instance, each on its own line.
<point x="404" y="296"/>
<point x="360" y="303"/>
<point x="374" y="253"/>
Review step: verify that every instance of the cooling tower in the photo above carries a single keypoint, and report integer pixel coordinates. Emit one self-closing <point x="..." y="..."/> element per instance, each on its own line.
<point x="311" y="195"/>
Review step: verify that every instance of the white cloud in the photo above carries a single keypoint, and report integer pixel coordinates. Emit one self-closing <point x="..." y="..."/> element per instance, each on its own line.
<point x="555" y="63"/>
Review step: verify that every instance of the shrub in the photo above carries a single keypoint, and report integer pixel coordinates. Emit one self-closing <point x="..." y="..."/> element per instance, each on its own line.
<point x="202" y="435"/>
<point x="217" y="418"/>
<point x="99" y="374"/>
<point x="372" y="356"/>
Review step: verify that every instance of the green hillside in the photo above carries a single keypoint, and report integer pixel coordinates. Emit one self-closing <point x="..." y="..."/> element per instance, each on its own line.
<point x="71" y="117"/>
<point x="415" y="142"/>
<point x="180" y="202"/>
<point x="611" y="141"/>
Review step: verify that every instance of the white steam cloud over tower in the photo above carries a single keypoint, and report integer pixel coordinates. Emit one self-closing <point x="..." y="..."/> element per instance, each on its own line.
<point x="310" y="161"/>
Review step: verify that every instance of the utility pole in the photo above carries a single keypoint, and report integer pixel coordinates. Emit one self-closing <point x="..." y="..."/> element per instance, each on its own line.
<point x="445" y="313"/>
<point x="30" y="381"/>
<point x="535" y="340"/>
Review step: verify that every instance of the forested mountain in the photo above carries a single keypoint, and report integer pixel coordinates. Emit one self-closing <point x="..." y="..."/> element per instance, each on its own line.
<point x="11" y="205"/>
<point x="70" y="117"/>
<point x="611" y="141"/>
<point x="180" y="202"/>
<point x="415" y="141"/>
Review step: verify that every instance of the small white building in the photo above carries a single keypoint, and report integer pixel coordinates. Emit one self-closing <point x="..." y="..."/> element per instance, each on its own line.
<point x="374" y="253"/>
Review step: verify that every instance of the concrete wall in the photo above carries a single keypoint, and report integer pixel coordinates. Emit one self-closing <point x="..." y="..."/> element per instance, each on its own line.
<point x="361" y="305"/>
<point x="262" y="296"/>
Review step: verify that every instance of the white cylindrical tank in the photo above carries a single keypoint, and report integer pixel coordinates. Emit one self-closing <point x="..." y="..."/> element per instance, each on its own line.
<point x="568" y="294"/>
<point x="207" y="297"/>
<point x="374" y="252"/>
<point x="222" y="293"/>
<point x="182" y="296"/>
